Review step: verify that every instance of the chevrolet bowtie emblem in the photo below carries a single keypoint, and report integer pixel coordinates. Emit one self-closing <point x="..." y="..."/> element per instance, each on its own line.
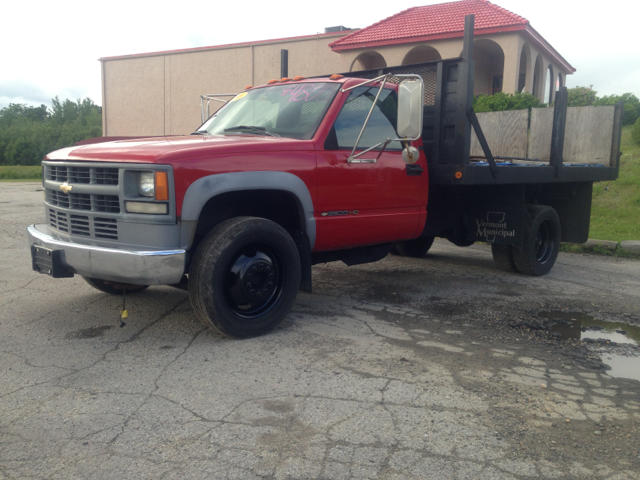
<point x="66" y="188"/>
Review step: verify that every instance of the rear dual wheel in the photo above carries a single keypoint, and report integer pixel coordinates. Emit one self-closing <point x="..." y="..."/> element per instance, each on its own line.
<point x="244" y="276"/>
<point x="541" y="244"/>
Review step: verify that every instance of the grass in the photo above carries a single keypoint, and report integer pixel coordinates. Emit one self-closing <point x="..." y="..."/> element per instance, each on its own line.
<point x="20" y="172"/>
<point x="615" y="212"/>
<point x="596" y="250"/>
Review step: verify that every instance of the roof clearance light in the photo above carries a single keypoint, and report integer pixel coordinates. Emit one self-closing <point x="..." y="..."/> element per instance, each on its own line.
<point x="295" y="79"/>
<point x="273" y="80"/>
<point x="248" y="87"/>
<point x="458" y="175"/>
<point x="285" y="79"/>
<point x="336" y="77"/>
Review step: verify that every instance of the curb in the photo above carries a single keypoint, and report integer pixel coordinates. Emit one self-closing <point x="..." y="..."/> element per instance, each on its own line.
<point x="631" y="246"/>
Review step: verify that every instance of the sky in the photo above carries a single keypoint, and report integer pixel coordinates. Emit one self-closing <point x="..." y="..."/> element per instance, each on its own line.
<point x="52" y="48"/>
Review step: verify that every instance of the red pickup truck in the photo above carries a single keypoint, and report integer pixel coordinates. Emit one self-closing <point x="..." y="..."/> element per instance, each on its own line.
<point x="298" y="172"/>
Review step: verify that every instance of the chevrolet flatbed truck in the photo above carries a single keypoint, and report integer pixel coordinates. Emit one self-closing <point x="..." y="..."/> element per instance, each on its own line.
<point x="305" y="171"/>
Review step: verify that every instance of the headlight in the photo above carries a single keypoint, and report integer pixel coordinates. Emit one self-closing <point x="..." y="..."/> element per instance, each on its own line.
<point x="146" y="184"/>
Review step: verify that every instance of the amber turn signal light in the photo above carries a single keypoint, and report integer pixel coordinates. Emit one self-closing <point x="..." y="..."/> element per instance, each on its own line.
<point x="458" y="175"/>
<point x="162" y="186"/>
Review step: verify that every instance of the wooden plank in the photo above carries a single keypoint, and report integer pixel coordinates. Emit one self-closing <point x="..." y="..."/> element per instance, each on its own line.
<point x="589" y="135"/>
<point x="506" y="133"/>
<point x="540" y="134"/>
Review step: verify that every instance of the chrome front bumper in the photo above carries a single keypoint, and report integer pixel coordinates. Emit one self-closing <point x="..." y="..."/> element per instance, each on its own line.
<point x="139" y="267"/>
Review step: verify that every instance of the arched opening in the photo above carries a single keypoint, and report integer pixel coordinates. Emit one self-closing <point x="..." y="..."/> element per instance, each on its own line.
<point x="421" y="54"/>
<point x="559" y="83"/>
<point x="367" y="61"/>
<point x="525" y="60"/>
<point x="549" y="86"/>
<point x="489" y="58"/>
<point x="538" y="74"/>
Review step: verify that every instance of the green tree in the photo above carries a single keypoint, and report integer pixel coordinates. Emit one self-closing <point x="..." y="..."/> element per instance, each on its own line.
<point x="505" y="101"/>
<point x="581" y="96"/>
<point x="28" y="133"/>
<point x="635" y="132"/>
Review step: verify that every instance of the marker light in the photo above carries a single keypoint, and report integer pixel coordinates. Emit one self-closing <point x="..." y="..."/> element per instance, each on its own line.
<point x="162" y="186"/>
<point x="336" y="77"/>
<point x="285" y="79"/>
<point x="248" y="87"/>
<point x="458" y="175"/>
<point x="273" y="80"/>
<point x="295" y="79"/>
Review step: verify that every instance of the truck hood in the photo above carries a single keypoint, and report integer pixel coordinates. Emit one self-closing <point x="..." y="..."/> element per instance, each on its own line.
<point x="170" y="149"/>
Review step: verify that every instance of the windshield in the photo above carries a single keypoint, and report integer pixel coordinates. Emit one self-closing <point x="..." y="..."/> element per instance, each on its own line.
<point x="289" y="110"/>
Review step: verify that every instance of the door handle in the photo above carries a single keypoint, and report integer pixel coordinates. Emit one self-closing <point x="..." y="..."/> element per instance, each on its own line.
<point x="414" y="170"/>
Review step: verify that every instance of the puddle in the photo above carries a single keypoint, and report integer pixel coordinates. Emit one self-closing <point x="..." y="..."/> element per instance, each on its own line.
<point x="586" y="328"/>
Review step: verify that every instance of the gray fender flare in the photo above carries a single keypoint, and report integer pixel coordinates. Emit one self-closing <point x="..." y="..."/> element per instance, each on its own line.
<point x="205" y="188"/>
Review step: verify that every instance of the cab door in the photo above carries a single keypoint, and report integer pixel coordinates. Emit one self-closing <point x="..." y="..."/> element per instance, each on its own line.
<point x="367" y="203"/>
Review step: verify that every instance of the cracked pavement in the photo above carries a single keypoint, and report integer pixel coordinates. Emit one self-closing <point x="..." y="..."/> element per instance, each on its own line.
<point x="400" y="369"/>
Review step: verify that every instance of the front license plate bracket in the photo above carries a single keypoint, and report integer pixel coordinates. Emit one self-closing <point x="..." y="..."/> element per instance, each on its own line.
<point x="49" y="262"/>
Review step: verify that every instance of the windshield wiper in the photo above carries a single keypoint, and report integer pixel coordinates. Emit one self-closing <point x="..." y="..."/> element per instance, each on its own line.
<point x="251" y="129"/>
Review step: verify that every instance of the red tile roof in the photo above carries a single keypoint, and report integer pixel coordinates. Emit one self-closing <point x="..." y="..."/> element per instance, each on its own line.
<point x="444" y="20"/>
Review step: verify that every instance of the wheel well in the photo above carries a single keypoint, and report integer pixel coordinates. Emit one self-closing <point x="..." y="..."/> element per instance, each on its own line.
<point x="278" y="206"/>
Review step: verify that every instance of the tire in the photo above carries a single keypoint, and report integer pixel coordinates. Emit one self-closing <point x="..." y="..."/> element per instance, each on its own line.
<point x="541" y="241"/>
<point x="503" y="257"/>
<point x="244" y="277"/>
<point x="461" y="242"/>
<point x="414" y="248"/>
<point x="111" y="287"/>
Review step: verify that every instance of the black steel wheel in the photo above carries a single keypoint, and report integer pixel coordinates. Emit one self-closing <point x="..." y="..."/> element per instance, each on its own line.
<point x="244" y="276"/>
<point x="503" y="257"/>
<point x="414" y="248"/>
<point x="541" y="241"/>
<point x="114" y="288"/>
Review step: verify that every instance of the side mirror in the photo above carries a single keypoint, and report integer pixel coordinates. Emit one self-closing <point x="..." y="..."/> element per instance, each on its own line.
<point x="410" y="106"/>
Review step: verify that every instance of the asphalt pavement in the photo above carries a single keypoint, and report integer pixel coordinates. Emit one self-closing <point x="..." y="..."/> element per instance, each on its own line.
<point x="437" y="368"/>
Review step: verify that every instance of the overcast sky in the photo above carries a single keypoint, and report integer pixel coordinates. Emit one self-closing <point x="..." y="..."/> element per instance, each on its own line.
<point x="50" y="48"/>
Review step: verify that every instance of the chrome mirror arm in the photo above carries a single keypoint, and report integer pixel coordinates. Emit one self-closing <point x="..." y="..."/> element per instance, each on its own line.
<point x="366" y="121"/>
<point x="355" y="159"/>
<point x="210" y="97"/>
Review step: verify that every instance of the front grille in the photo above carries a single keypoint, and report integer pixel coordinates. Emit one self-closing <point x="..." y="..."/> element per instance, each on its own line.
<point x="104" y="176"/>
<point x="106" y="203"/>
<point x="86" y="175"/>
<point x="83" y="201"/>
<point x="83" y="225"/>
<point x="106" y="228"/>
<point x="80" y="225"/>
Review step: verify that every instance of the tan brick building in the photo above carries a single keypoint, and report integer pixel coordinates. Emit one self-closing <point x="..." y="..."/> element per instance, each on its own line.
<point x="159" y="93"/>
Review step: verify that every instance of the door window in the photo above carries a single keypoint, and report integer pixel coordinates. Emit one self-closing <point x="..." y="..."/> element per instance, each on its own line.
<point x="381" y="125"/>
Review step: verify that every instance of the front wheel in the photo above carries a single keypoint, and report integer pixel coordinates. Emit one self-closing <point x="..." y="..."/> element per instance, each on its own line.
<point x="113" y="288"/>
<point x="541" y="241"/>
<point x="244" y="277"/>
